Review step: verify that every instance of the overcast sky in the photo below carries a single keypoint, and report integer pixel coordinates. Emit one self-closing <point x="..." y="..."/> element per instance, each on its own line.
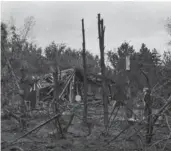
<point x="134" y="22"/>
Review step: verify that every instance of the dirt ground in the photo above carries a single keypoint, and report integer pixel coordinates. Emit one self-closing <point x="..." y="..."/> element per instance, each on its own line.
<point x="76" y="139"/>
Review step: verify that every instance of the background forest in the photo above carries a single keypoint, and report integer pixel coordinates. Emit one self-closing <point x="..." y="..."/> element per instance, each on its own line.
<point x="23" y="53"/>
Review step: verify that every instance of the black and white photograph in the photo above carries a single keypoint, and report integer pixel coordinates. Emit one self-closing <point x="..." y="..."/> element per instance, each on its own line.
<point x="85" y="75"/>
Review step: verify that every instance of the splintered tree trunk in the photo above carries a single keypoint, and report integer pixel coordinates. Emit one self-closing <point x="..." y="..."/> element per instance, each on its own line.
<point x="148" y="111"/>
<point x="101" y="31"/>
<point x="85" y="74"/>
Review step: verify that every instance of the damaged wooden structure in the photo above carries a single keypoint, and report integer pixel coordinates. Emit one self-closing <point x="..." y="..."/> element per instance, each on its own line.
<point x="71" y="87"/>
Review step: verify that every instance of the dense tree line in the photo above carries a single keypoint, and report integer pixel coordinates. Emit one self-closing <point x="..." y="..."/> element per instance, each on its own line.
<point x="22" y="53"/>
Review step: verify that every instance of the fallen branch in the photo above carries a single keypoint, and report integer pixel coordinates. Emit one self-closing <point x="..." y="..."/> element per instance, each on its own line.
<point x="161" y="110"/>
<point x="128" y="127"/>
<point x="110" y="121"/>
<point x="16" y="148"/>
<point x="37" y="127"/>
<point x="114" y="106"/>
<point x="155" y="118"/>
<point x="69" y="123"/>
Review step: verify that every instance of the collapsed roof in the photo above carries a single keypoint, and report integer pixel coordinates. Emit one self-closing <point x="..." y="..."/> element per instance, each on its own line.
<point x="47" y="79"/>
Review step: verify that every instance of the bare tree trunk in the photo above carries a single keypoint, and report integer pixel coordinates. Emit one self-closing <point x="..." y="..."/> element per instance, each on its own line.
<point x="129" y="101"/>
<point x="101" y="31"/>
<point x="85" y="74"/>
<point x="148" y="111"/>
<point x="128" y="90"/>
<point x="23" y="105"/>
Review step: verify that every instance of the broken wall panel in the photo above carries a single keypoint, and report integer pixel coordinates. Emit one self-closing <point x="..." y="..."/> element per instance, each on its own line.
<point x="75" y="87"/>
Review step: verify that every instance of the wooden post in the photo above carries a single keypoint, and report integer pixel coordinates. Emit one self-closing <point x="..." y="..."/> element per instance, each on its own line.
<point x="85" y="74"/>
<point x="71" y="89"/>
<point x="128" y="90"/>
<point x="101" y="31"/>
<point x="56" y="87"/>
